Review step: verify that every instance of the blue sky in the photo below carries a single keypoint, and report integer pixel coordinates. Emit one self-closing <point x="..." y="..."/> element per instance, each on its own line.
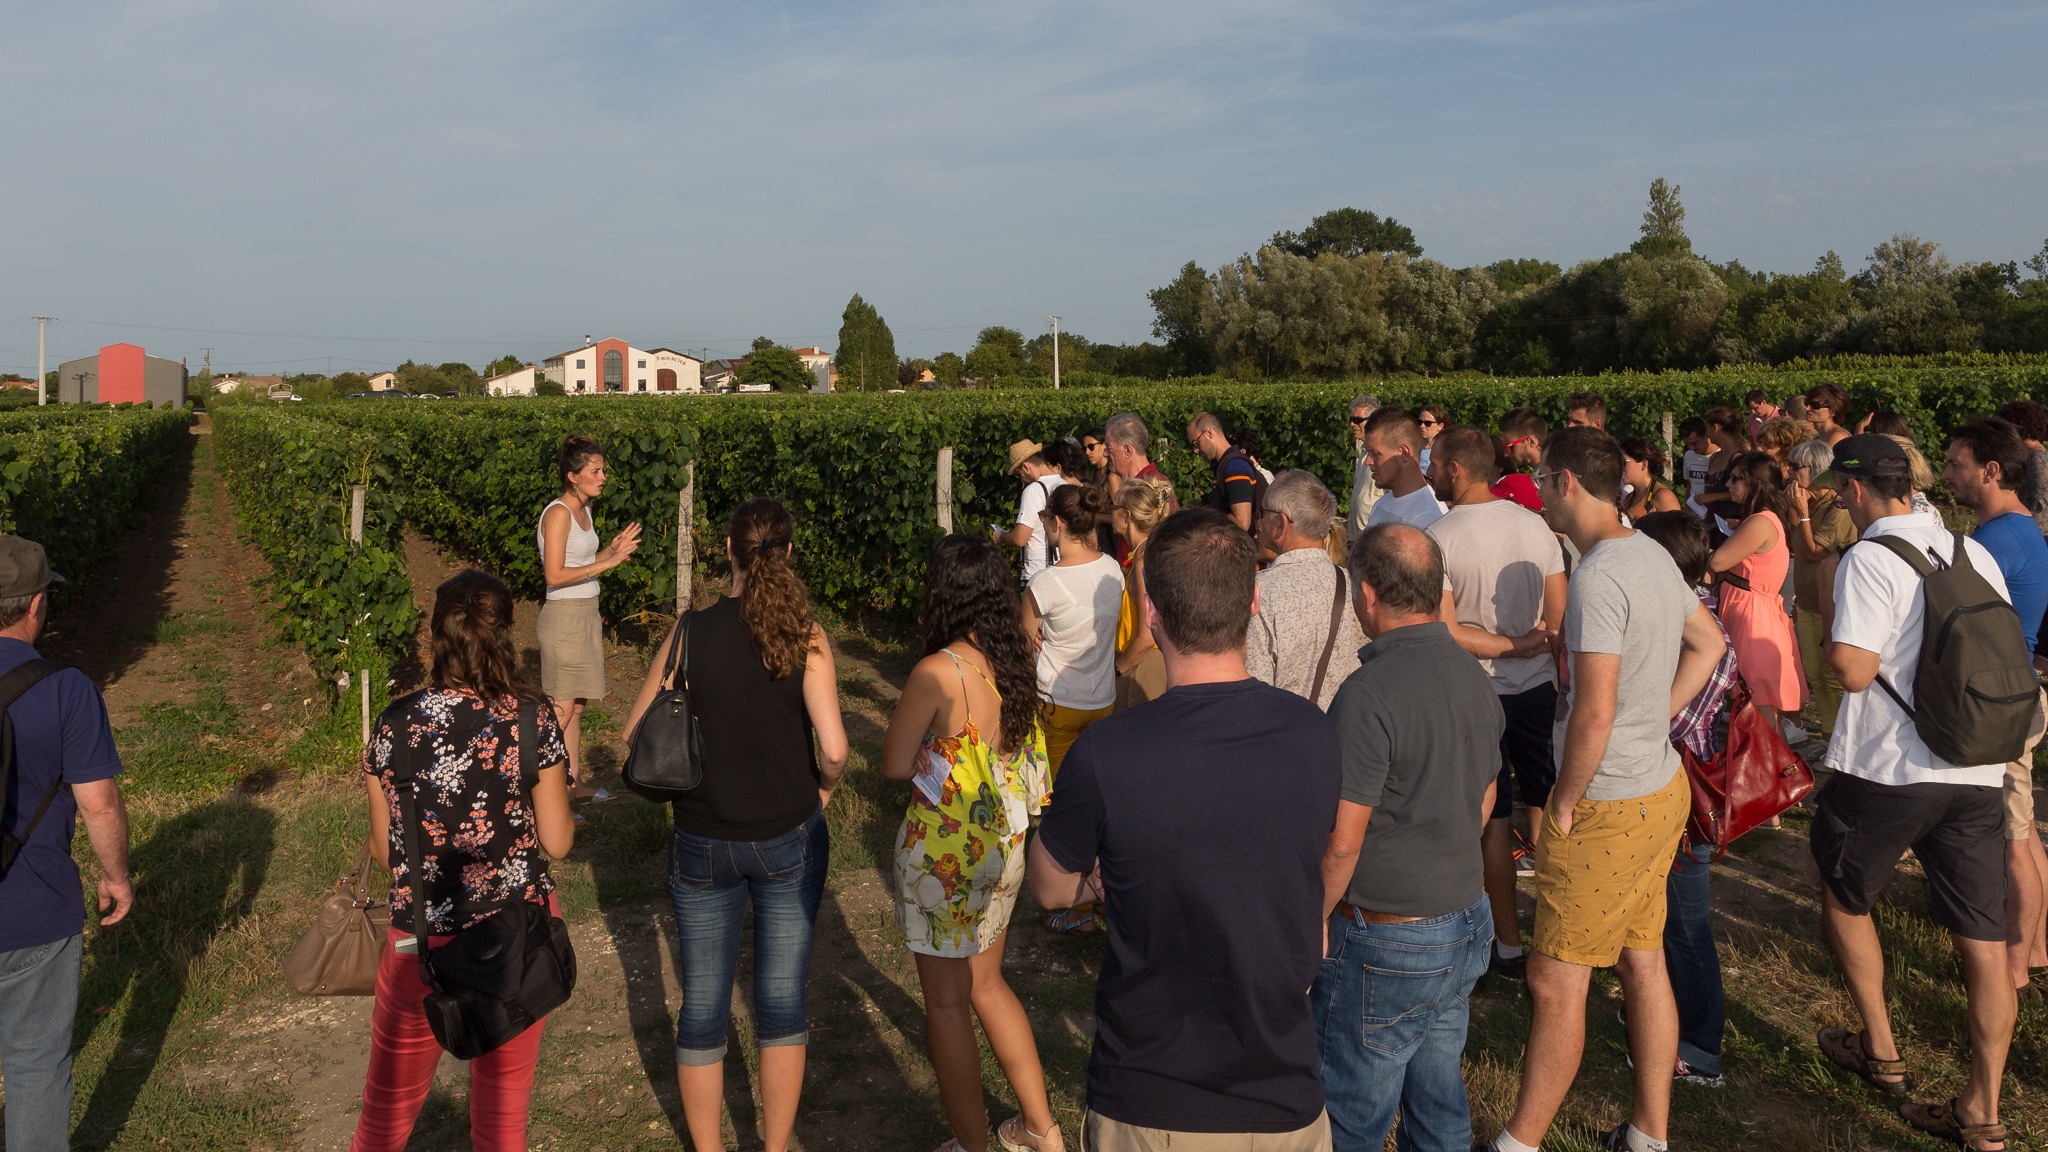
<point x="375" y="181"/>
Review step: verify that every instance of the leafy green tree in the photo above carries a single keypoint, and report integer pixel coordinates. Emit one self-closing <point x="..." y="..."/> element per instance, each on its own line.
<point x="1514" y="275"/>
<point x="998" y="351"/>
<point x="1148" y="360"/>
<point x="1280" y="315"/>
<point x="947" y="369"/>
<point x="1177" y="318"/>
<point x="1663" y="225"/>
<point x="1788" y="316"/>
<point x="504" y="364"/>
<point x="867" y="349"/>
<point x="910" y="374"/>
<point x="546" y="387"/>
<point x="1348" y="232"/>
<point x="1075" y="354"/>
<point x="776" y="365"/>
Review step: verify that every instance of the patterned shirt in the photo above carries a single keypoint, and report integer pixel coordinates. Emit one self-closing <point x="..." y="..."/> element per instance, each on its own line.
<point x="476" y="826"/>
<point x="1693" y="727"/>
<point x="1292" y="628"/>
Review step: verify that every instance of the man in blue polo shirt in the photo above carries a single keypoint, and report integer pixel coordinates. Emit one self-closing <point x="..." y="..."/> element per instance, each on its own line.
<point x="61" y="738"/>
<point x="1987" y="461"/>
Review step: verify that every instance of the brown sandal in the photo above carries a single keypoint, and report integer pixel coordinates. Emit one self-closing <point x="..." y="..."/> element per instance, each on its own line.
<point x="1941" y="1120"/>
<point x="1846" y="1050"/>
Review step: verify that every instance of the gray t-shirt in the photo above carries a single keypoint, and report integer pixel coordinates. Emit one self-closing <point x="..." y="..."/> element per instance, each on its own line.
<point x="1418" y="727"/>
<point x="1628" y="599"/>
<point x="2034" y="487"/>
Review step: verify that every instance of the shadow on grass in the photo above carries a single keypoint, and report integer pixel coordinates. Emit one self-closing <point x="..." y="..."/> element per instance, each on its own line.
<point x="195" y="877"/>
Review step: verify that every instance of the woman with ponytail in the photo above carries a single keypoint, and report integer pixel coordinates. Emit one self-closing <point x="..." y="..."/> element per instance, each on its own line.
<point x="761" y="684"/>
<point x="967" y="731"/>
<point x="489" y="836"/>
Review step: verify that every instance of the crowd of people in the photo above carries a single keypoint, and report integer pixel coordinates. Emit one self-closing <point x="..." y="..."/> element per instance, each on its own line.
<point x="1288" y="758"/>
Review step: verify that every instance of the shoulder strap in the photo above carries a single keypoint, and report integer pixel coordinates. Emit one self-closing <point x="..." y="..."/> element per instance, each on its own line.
<point x="405" y="781"/>
<point x="1917" y="559"/>
<point x="678" y="650"/>
<point x="528" y="735"/>
<point x="1315" y="694"/>
<point x="18" y="680"/>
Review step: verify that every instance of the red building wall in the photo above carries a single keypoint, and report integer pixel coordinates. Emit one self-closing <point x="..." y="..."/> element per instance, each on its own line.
<point x="120" y="374"/>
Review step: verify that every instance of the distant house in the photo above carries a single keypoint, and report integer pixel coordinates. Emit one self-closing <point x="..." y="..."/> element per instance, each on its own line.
<point x="383" y="381"/>
<point x="262" y="384"/>
<point x="720" y="375"/>
<point x="614" y="366"/>
<point x="519" y="382"/>
<point x="819" y="362"/>
<point x="121" y="373"/>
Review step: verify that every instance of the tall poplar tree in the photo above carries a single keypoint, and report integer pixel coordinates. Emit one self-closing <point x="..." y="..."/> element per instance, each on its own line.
<point x="867" y="350"/>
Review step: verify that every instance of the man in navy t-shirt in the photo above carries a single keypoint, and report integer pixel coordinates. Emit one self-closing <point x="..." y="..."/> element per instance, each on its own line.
<point x="1200" y="819"/>
<point x="1239" y="492"/>
<point x="61" y="737"/>
<point x="1987" y="461"/>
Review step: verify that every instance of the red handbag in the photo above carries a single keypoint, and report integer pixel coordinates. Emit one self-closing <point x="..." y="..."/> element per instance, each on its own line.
<point x="1755" y="777"/>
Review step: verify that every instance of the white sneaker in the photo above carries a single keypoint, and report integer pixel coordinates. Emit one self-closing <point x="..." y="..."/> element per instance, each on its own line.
<point x="1794" y="734"/>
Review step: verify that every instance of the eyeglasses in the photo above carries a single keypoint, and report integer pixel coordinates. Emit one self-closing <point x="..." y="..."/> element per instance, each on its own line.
<point x="1360" y="419"/>
<point x="1517" y="440"/>
<point x="1543" y="474"/>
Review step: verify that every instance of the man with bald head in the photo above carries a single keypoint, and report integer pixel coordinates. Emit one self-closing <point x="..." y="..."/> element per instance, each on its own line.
<point x="1239" y="490"/>
<point x="1418" y="730"/>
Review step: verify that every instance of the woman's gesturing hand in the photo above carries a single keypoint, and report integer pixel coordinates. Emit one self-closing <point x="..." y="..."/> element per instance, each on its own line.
<point x="622" y="546"/>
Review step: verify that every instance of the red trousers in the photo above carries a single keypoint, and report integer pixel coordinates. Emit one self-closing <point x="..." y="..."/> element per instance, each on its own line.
<point x="404" y="1053"/>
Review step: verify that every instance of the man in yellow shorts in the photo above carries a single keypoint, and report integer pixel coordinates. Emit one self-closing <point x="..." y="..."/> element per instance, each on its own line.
<point x="1614" y="816"/>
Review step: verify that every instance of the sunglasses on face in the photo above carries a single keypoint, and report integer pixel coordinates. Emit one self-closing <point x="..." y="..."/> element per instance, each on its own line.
<point x="1360" y="419"/>
<point x="1518" y="440"/>
<point x="1431" y="423"/>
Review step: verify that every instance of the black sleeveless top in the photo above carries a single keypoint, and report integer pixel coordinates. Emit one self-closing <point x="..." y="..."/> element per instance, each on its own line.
<point x="760" y="774"/>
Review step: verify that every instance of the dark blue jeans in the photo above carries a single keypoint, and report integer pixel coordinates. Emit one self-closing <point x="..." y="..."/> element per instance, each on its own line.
<point x="1391" y="1009"/>
<point x="709" y="884"/>
<point x="1690" y="957"/>
<point x="38" y="998"/>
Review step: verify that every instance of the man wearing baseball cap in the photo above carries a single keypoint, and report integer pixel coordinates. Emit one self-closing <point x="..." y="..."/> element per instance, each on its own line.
<point x="1890" y="792"/>
<point x="1027" y="462"/>
<point x="61" y="737"/>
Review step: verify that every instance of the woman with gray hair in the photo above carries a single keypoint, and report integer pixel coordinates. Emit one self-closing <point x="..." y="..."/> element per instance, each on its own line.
<point x="1821" y="531"/>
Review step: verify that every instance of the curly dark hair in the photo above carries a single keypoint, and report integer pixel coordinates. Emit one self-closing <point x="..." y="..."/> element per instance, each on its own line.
<point x="773" y="604"/>
<point x="969" y="591"/>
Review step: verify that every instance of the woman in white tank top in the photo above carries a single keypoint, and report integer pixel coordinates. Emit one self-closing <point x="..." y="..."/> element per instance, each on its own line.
<point x="571" y="631"/>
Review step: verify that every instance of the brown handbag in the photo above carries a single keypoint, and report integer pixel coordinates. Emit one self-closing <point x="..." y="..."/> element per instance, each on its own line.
<point x="339" y="954"/>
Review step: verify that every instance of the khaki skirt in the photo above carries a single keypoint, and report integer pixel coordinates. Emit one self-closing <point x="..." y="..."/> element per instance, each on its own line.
<point x="572" y="649"/>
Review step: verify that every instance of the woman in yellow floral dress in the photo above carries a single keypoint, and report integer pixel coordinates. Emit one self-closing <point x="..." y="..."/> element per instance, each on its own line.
<point x="966" y="735"/>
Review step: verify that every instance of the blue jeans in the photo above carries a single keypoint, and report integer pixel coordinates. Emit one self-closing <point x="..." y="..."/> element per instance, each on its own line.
<point x="709" y="882"/>
<point x="1690" y="957"/>
<point x="38" y="998"/>
<point x="1391" y="1009"/>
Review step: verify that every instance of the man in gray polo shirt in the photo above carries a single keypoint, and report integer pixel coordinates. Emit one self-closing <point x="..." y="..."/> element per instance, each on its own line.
<point x="1418" y="727"/>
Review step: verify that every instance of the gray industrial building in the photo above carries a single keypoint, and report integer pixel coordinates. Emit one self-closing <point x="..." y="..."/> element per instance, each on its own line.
<point x="121" y="372"/>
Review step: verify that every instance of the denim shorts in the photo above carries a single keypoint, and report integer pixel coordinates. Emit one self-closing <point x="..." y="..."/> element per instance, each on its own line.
<point x="710" y="884"/>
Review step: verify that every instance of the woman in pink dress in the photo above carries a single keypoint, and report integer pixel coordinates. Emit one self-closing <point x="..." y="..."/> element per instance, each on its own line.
<point x="1752" y="563"/>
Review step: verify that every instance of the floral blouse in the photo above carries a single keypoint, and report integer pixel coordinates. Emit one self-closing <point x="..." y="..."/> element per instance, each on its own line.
<point x="476" y="826"/>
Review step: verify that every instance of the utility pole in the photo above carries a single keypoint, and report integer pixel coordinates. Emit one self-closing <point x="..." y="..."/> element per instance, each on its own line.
<point x="42" y="397"/>
<point x="208" y="369"/>
<point x="1055" y="352"/>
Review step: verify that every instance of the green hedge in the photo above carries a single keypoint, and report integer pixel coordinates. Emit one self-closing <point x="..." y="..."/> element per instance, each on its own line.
<point x="290" y="476"/>
<point x="859" y="474"/>
<point x="72" y="478"/>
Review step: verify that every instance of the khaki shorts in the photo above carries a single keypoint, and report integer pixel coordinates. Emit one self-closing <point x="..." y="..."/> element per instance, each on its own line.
<point x="1601" y="889"/>
<point x="2019" y="782"/>
<point x="1101" y="1134"/>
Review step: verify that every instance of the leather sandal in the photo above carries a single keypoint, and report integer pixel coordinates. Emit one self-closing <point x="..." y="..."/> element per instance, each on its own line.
<point x="1942" y="1120"/>
<point x="1846" y="1050"/>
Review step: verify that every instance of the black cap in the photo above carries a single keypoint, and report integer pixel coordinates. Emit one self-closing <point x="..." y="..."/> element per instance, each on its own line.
<point x="1871" y="455"/>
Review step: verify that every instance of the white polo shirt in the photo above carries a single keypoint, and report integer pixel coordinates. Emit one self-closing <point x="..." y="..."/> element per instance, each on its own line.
<point x="1880" y="607"/>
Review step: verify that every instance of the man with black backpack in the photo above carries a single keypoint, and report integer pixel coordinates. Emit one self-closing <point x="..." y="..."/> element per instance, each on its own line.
<point x="1939" y="695"/>
<point x="54" y="734"/>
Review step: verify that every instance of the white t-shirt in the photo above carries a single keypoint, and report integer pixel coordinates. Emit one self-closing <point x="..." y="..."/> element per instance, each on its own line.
<point x="1879" y="607"/>
<point x="1029" y="506"/>
<point x="1496" y="558"/>
<point x="1418" y="509"/>
<point x="1078" y="605"/>
<point x="1695" y="481"/>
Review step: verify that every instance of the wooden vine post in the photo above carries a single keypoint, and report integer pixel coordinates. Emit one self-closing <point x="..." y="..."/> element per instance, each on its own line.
<point x="946" y="490"/>
<point x="1667" y="448"/>
<point x="357" y="496"/>
<point x="686" y="539"/>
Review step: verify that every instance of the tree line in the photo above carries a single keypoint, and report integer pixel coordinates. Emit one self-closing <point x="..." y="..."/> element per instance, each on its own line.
<point x="1352" y="295"/>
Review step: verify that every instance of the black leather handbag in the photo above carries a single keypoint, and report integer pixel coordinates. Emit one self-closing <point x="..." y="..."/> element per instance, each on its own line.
<point x="498" y="978"/>
<point x="667" y="757"/>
